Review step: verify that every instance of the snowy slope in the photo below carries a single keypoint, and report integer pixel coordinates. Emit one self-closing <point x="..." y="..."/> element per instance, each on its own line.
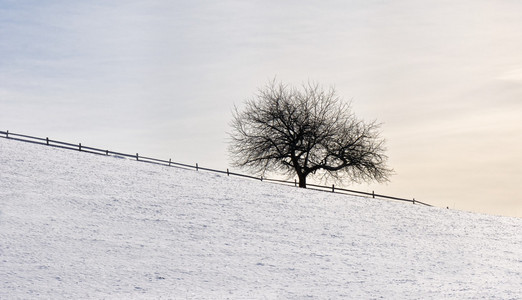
<point x="76" y="225"/>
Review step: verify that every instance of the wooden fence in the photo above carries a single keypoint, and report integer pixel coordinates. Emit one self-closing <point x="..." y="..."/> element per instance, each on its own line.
<point x="170" y="163"/>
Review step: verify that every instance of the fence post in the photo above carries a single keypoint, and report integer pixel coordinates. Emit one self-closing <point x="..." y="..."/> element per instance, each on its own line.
<point x="80" y="147"/>
<point x="373" y="194"/>
<point x="170" y="161"/>
<point x="107" y="152"/>
<point x="7" y="134"/>
<point x="413" y="200"/>
<point x="137" y="156"/>
<point x="228" y="173"/>
<point x="295" y="182"/>
<point x="261" y="178"/>
<point x="197" y="167"/>
<point x="47" y="140"/>
<point x="333" y="188"/>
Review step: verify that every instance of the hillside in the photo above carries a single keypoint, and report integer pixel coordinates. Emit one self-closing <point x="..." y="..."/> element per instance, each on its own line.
<point x="75" y="225"/>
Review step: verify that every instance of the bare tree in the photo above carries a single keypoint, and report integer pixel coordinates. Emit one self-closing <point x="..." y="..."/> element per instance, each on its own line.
<point x="306" y="131"/>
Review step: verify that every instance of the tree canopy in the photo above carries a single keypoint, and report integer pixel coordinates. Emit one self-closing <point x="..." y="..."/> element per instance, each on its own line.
<point x="304" y="131"/>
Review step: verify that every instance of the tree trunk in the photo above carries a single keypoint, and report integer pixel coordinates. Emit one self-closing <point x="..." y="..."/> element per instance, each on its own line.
<point x="302" y="180"/>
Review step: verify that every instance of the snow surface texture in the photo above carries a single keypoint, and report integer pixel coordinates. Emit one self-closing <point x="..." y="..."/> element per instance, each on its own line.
<point x="76" y="225"/>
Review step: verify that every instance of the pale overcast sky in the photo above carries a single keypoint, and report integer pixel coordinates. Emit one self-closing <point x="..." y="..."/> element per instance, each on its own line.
<point x="161" y="77"/>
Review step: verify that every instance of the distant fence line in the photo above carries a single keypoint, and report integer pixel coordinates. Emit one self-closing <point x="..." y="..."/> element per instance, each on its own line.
<point x="79" y="147"/>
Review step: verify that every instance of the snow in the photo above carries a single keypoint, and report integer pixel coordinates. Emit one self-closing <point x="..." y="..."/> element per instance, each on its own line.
<point x="77" y="225"/>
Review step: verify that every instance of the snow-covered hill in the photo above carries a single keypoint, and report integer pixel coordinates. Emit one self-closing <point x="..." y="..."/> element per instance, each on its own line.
<point x="76" y="225"/>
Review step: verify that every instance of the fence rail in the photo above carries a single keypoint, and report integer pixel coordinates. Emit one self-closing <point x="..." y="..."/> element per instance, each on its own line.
<point x="79" y="147"/>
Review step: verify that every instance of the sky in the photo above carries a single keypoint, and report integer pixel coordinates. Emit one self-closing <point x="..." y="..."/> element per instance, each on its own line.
<point x="161" y="78"/>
